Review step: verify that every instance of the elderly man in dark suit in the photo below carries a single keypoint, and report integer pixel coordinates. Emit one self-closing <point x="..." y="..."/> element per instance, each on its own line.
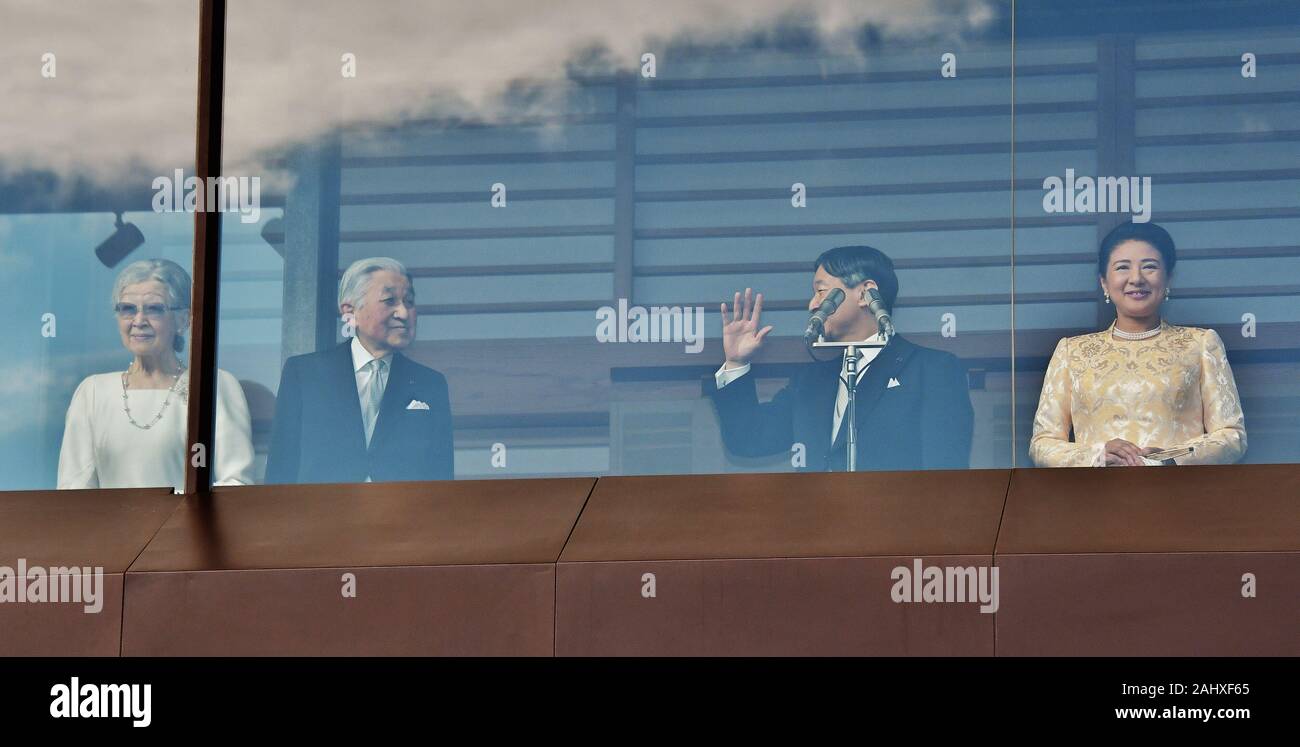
<point x="913" y="403"/>
<point x="362" y="411"/>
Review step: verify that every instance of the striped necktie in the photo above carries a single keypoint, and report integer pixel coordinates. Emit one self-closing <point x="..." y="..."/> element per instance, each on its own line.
<point x="842" y="392"/>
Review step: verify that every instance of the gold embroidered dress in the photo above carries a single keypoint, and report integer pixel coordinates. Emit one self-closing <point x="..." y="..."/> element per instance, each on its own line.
<point x="1171" y="390"/>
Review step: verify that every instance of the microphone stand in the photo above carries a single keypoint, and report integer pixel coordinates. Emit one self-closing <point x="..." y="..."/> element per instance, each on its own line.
<point x="850" y="412"/>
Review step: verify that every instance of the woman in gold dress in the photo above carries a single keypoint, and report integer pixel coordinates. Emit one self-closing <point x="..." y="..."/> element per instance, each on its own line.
<point x="1143" y="386"/>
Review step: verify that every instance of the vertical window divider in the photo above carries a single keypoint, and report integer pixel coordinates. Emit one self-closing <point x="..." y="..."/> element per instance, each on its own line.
<point x="207" y="251"/>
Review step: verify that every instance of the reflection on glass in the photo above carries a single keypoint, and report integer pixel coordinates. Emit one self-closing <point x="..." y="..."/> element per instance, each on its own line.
<point x="569" y="216"/>
<point x="1130" y="119"/>
<point x="91" y="119"/>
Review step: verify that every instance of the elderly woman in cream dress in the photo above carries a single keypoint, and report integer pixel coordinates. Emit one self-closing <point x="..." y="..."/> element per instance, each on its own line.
<point x="1143" y="391"/>
<point x="128" y="428"/>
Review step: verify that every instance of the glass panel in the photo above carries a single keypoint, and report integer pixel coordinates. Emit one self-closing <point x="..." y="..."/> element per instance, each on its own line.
<point x="1194" y="107"/>
<point x="571" y="192"/>
<point x="96" y="125"/>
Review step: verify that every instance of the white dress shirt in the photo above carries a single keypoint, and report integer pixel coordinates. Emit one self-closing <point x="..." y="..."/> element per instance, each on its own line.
<point x="102" y="449"/>
<point x="724" y="376"/>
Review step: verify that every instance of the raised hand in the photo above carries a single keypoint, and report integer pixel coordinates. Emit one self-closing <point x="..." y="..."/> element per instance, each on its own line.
<point x="741" y="334"/>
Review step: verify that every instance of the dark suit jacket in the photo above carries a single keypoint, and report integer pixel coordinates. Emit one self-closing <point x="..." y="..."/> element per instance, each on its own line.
<point x="319" y="435"/>
<point x="923" y="423"/>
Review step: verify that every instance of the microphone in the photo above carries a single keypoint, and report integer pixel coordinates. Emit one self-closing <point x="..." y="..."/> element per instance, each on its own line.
<point x="883" y="320"/>
<point x="818" y="319"/>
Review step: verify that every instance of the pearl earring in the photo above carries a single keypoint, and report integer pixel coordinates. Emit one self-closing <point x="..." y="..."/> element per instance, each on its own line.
<point x="1107" y="298"/>
<point x="1166" y="294"/>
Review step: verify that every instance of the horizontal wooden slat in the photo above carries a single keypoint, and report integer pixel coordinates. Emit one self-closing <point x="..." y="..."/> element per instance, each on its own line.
<point x="1219" y="138"/>
<point x="805" y="266"/>
<point x="866" y="115"/>
<point x="992" y="299"/>
<point x="901" y="170"/>
<point x="989" y="185"/>
<point x="523" y="306"/>
<point x="1211" y="177"/>
<point x="858" y="228"/>
<point x="520" y="269"/>
<point x="1237" y="291"/>
<point x="887" y="76"/>
<point x="487" y="252"/>
<point x="562" y="156"/>
<point x="506" y="136"/>
<point x="1208" y="158"/>
<point x="1223" y="42"/>
<point x="531" y="120"/>
<point x="884" y="151"/>
<point x="857" y="190"/>
<point x="954" y="225"/>
<point x="932" y="92"/>
<point x="473" y="233"/>
<point x="479" y="195"/>
<point x="1216" y="99"/>
<point x="939" y="263"/>
<point x="1215" y="61"/>
<point x="1237" y="214"/>
<point x="546" y="420"/>
<point x="476" y="178"/>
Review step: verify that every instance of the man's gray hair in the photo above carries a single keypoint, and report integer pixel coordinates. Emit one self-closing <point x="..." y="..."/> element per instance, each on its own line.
<point x="173" y="277"/>
<point x="356" y="280"/>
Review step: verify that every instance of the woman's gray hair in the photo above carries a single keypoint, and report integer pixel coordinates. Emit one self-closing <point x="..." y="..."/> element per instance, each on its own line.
<point x="173" y="277"/>
<point x="356" y="279"/>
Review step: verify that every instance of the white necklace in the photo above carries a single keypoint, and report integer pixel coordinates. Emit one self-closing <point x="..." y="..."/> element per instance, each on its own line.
<point x="1121" y="334"/>
<point x="126" y="407"/>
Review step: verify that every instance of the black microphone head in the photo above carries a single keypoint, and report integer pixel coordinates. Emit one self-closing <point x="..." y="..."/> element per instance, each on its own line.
<point x="833" y="300"/>
<point x="817" y="321"/>
<point x="883" y="319"/>
<point x="877" y="304"/>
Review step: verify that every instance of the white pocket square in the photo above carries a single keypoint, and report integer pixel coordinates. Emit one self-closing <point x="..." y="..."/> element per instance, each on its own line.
<point x="893" y="383"/>
<point x="417" y="405"/>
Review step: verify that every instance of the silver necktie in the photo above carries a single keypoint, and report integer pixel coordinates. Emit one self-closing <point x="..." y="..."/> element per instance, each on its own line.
<point x="374" y="394"/>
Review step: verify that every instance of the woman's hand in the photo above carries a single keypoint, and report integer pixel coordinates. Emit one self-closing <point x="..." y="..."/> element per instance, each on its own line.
<point x="1121" y="453"/>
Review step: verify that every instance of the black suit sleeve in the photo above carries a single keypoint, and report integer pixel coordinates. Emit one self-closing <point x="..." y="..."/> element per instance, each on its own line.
<point x="947" y="419"/>
<point x="286" y="432"/>
<point x="751" y="428"/>
<point x="444" y="455"/>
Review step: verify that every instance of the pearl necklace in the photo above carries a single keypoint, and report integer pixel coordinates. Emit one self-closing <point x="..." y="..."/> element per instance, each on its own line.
<point x="1121" y="334"/>
<point x="126" y="407"/>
